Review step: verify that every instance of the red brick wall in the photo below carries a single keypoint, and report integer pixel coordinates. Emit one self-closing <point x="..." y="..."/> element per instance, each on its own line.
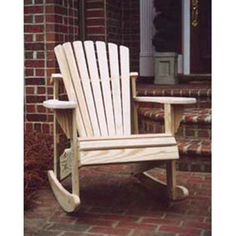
<point x="95" y="20"/>
<point x="131" y="31"/>
<point x="123" y="27"/>
<point x="46" y="23"/>
<point x="49" y="22"/>
<point x="114" y="11"/>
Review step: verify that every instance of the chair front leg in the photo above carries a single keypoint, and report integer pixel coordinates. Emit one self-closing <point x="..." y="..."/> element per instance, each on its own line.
<point x="75" y="156"/>
<point x="67" y="121"/>
<point x="173" y="115"/>
<point x="70" y="202"/>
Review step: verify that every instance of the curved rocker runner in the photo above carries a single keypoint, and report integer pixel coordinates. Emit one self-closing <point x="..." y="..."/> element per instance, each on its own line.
<point x="97" y="120"/>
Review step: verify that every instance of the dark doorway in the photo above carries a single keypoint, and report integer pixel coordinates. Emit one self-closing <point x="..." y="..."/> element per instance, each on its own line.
<point x="200" y="37"/>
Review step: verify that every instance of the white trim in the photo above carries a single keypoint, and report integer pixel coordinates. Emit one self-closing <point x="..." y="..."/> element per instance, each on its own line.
<point x="146" y="33"/>
<point x="180" y="64"/>
<point x="186" y="36"/>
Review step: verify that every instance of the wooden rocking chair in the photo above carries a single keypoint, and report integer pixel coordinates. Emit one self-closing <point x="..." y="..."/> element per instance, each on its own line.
<point x="98" y="81"/>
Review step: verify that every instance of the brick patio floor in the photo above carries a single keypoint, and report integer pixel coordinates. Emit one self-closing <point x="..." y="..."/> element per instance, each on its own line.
<point x="114" y="203"/>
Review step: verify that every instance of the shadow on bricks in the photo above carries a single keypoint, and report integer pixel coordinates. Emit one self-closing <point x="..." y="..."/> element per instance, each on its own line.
<point x="114" y="203"/>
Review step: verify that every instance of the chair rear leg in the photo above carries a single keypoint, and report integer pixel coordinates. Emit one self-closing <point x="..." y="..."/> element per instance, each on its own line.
<point x="171" y="179"/>
<point x="175" y="192"/>
<point x="168" y="189"/>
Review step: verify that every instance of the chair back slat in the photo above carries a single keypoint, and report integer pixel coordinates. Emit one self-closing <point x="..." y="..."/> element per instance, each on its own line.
<point x="125" y="88"/>
<point x="96" y="84"/>
<point x="96" y="76"/>
<point x="115" y="83"/>
<point x="105" y="83"/>
<point x="82" y="66"/>
<point x="76" y="80"/>
<point x="65" y="71"/>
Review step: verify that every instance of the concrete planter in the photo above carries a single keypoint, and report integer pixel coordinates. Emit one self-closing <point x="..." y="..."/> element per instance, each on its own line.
<point x="165" y="68"/>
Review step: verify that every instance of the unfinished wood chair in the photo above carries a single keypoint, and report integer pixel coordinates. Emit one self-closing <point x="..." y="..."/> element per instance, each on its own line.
<point x="97" y="120"/>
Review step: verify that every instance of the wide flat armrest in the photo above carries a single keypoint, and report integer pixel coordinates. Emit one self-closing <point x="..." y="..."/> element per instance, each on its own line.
<point x="56" y="104"/>
<point x="169" y="100"/>
<point x="55" y="76"/>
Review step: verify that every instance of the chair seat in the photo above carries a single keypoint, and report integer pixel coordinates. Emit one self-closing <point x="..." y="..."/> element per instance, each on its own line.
<point x="128" y="141"/>
<point x="127" y="149"/>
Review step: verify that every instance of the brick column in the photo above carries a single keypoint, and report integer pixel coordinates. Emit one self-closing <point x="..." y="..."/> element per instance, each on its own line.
<point x="95" y="20"/>
<point x="46" y="23"/>
<point x="122" y="27"/>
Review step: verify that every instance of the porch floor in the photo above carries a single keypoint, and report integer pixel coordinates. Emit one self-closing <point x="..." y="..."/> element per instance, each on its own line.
<point x="115" y="203"/>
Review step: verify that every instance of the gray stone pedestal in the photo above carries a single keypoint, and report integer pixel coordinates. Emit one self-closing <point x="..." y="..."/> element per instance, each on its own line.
<point x="165" y="68"/>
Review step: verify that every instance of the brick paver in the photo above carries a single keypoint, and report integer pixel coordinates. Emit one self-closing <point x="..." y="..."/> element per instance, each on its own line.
<point x="115" y="203"/>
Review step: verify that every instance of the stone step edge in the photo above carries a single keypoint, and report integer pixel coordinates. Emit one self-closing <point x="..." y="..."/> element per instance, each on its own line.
<point x="194" y="147"/>
<point x="191" y="115"/>
<point x="145" y="90"/>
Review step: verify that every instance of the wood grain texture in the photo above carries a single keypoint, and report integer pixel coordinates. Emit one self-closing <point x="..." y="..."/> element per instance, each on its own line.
<point x="169" y="100"/>
<point x="128" y="155"/>
<point x="69" y="202"/>
<point x="124" y="137"/>
<point x="161" y="188"/>
<point x="75" y="160"/>
<point x="95" y="81"/>
<point x="55" y="77"/>
<point x="64" y="118"/>
<point x="56" y="160"/>
<point x="125" y="88"/>
<point x="134" y="105"/>
<point x="128" y="143"/>
<point x="82" y="66"/>
<point x="171" y="178"/>
<point x="57" y="104"/>
<point x="106" y="88"/>
<point x="61" y="59"/>
<point x="86" y="111"/>
<point x="65" y="161"/>
<point x="115" y="82"/>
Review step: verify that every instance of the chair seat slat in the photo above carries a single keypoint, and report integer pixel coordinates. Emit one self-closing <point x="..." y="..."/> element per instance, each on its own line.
<point x="128" y="155"/>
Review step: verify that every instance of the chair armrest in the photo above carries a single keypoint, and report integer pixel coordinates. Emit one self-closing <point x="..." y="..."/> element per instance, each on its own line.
<point x="173" y="109"/>
<point x="133" y="74"/>
<point x="54" y="77"/>
<point x="56" y="104"/>
<point x="166" y="100"/>
<point x="133" y="78"/>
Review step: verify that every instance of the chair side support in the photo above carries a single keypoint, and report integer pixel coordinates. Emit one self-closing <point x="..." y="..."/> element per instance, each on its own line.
<point x="65" y="115"/>
<point x="173" y="111"/>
